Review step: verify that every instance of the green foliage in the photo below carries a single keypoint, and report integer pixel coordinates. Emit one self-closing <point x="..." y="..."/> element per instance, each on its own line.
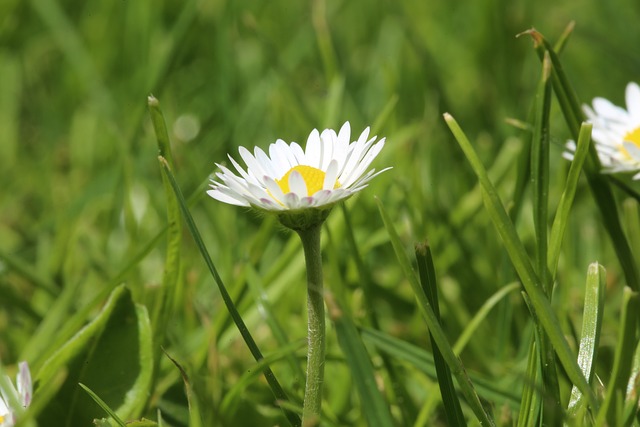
<point x="91" y="238"/>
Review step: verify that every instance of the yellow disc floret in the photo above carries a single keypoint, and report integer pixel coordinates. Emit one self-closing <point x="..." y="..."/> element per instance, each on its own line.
<point x="313" y="178"/>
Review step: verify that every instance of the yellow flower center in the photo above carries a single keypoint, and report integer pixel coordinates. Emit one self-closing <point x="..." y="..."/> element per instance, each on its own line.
<point x="1" y="419"/>
<point x="633" y="137"/>
<point x="313" y="178"/>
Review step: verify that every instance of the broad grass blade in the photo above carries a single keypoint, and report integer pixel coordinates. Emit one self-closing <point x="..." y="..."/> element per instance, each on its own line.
<point x="591" y="327"/>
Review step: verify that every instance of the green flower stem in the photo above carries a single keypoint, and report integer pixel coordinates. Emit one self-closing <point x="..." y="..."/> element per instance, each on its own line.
<point x="316" y="328"/>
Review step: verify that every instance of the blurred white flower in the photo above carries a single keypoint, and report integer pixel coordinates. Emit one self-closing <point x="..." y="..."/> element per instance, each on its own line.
<point x="288" y="179"/>
<point x="21" y="395"/>
<point x="616" y="133"/>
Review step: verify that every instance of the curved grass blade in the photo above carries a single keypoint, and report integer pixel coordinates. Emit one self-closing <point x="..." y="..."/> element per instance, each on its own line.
<point x="523" y="266"/>
<point x="374" y="407"/>
<point x="481" y="315"/>
<point x="195" y="417"/>
<point x="590" y="334"/>
<point x="276" y="388"/>
<point x="103" y="405"/>
<point x="466" y="387"/>
<point x="566" y="200"/>
<point x="423" y="361"/>
<point x="234" y="394"/>
<point x="450" y="400"/>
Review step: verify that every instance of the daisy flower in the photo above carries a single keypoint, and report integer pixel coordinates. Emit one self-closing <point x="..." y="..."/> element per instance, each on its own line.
<point x="290" y="181"/>
<point x="10" y="396"/>
<point x="616" y="132"/>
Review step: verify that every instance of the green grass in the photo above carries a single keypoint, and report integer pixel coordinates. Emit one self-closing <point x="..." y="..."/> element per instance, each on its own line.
<point x="85" y="230"/>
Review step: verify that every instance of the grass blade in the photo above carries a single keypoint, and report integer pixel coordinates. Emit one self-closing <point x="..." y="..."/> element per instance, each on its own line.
<point x="423" y="361"/>
<point x="408" y="409"/>
<point x="566" y="200"/>
<point x="598" y="183"/>
<point x="540" y="172"/>
<point x="195" y="417"/>
<point x="633" y="391"/>
<point x="530" y="404"/>
<point x="481" y="315"/>
<point x="521" y="263"/>
<point x="540" y="186"/>
<point x="450" y="400"/>
<point x="375" y="408"/>
<point x="103" y="405"/>
<point x="167" y="293"/>
<point x="466" y="387"/>
<point x="623" y="359"/>
<point x="276" y="388"/>
<point x="591" y="326"/>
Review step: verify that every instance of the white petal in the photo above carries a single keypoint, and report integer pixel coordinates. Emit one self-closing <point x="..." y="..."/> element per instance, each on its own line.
<point x="320" y="197"/>
<point x="297" y="184"/>
<point x="270" y="205"/>
<point x="337" y="195"/>
<point x="633" y="150"/>
<point x="253" y="166"/>
<point x="359" y="149"/>
<point x="360" y="183"/>
<point x="636" y="176"/>
<point x="25" y="386"/>
<point x="364" y="163"/>
<point x="632" y="96"/>
<point x="292" y="201"/>
<point x="274" y="189"/>
<point x="298" y="153"/>
<point x="606" y="110"/>
<point x="328" y="139"/>
<point x="345" y="133"/>
<point x="224" y="198"/>
<point x="312" y="151"/>
<point x="330" y="176"/>
<point x="241" y="171"/>
<point x="265" y="162"/>
<point x="281" y="158"/>
<point x="307" y="202"/>
<point x="258" y="192"/>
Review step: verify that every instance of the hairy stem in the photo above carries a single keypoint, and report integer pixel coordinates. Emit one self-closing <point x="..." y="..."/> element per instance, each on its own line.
<point x="316" y="326"/>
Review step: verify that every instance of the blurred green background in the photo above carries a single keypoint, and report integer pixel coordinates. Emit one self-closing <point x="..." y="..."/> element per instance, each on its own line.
<point x="81" y="192"/>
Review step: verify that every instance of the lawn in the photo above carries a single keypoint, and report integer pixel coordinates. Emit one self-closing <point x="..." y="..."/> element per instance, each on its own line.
<point x="481" y="280"/>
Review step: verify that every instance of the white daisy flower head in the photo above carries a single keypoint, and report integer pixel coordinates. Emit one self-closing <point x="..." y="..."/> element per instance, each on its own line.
<point x="616" y="132"/>
<point x="13" y="400"/>
<point x="300" y="186"/>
